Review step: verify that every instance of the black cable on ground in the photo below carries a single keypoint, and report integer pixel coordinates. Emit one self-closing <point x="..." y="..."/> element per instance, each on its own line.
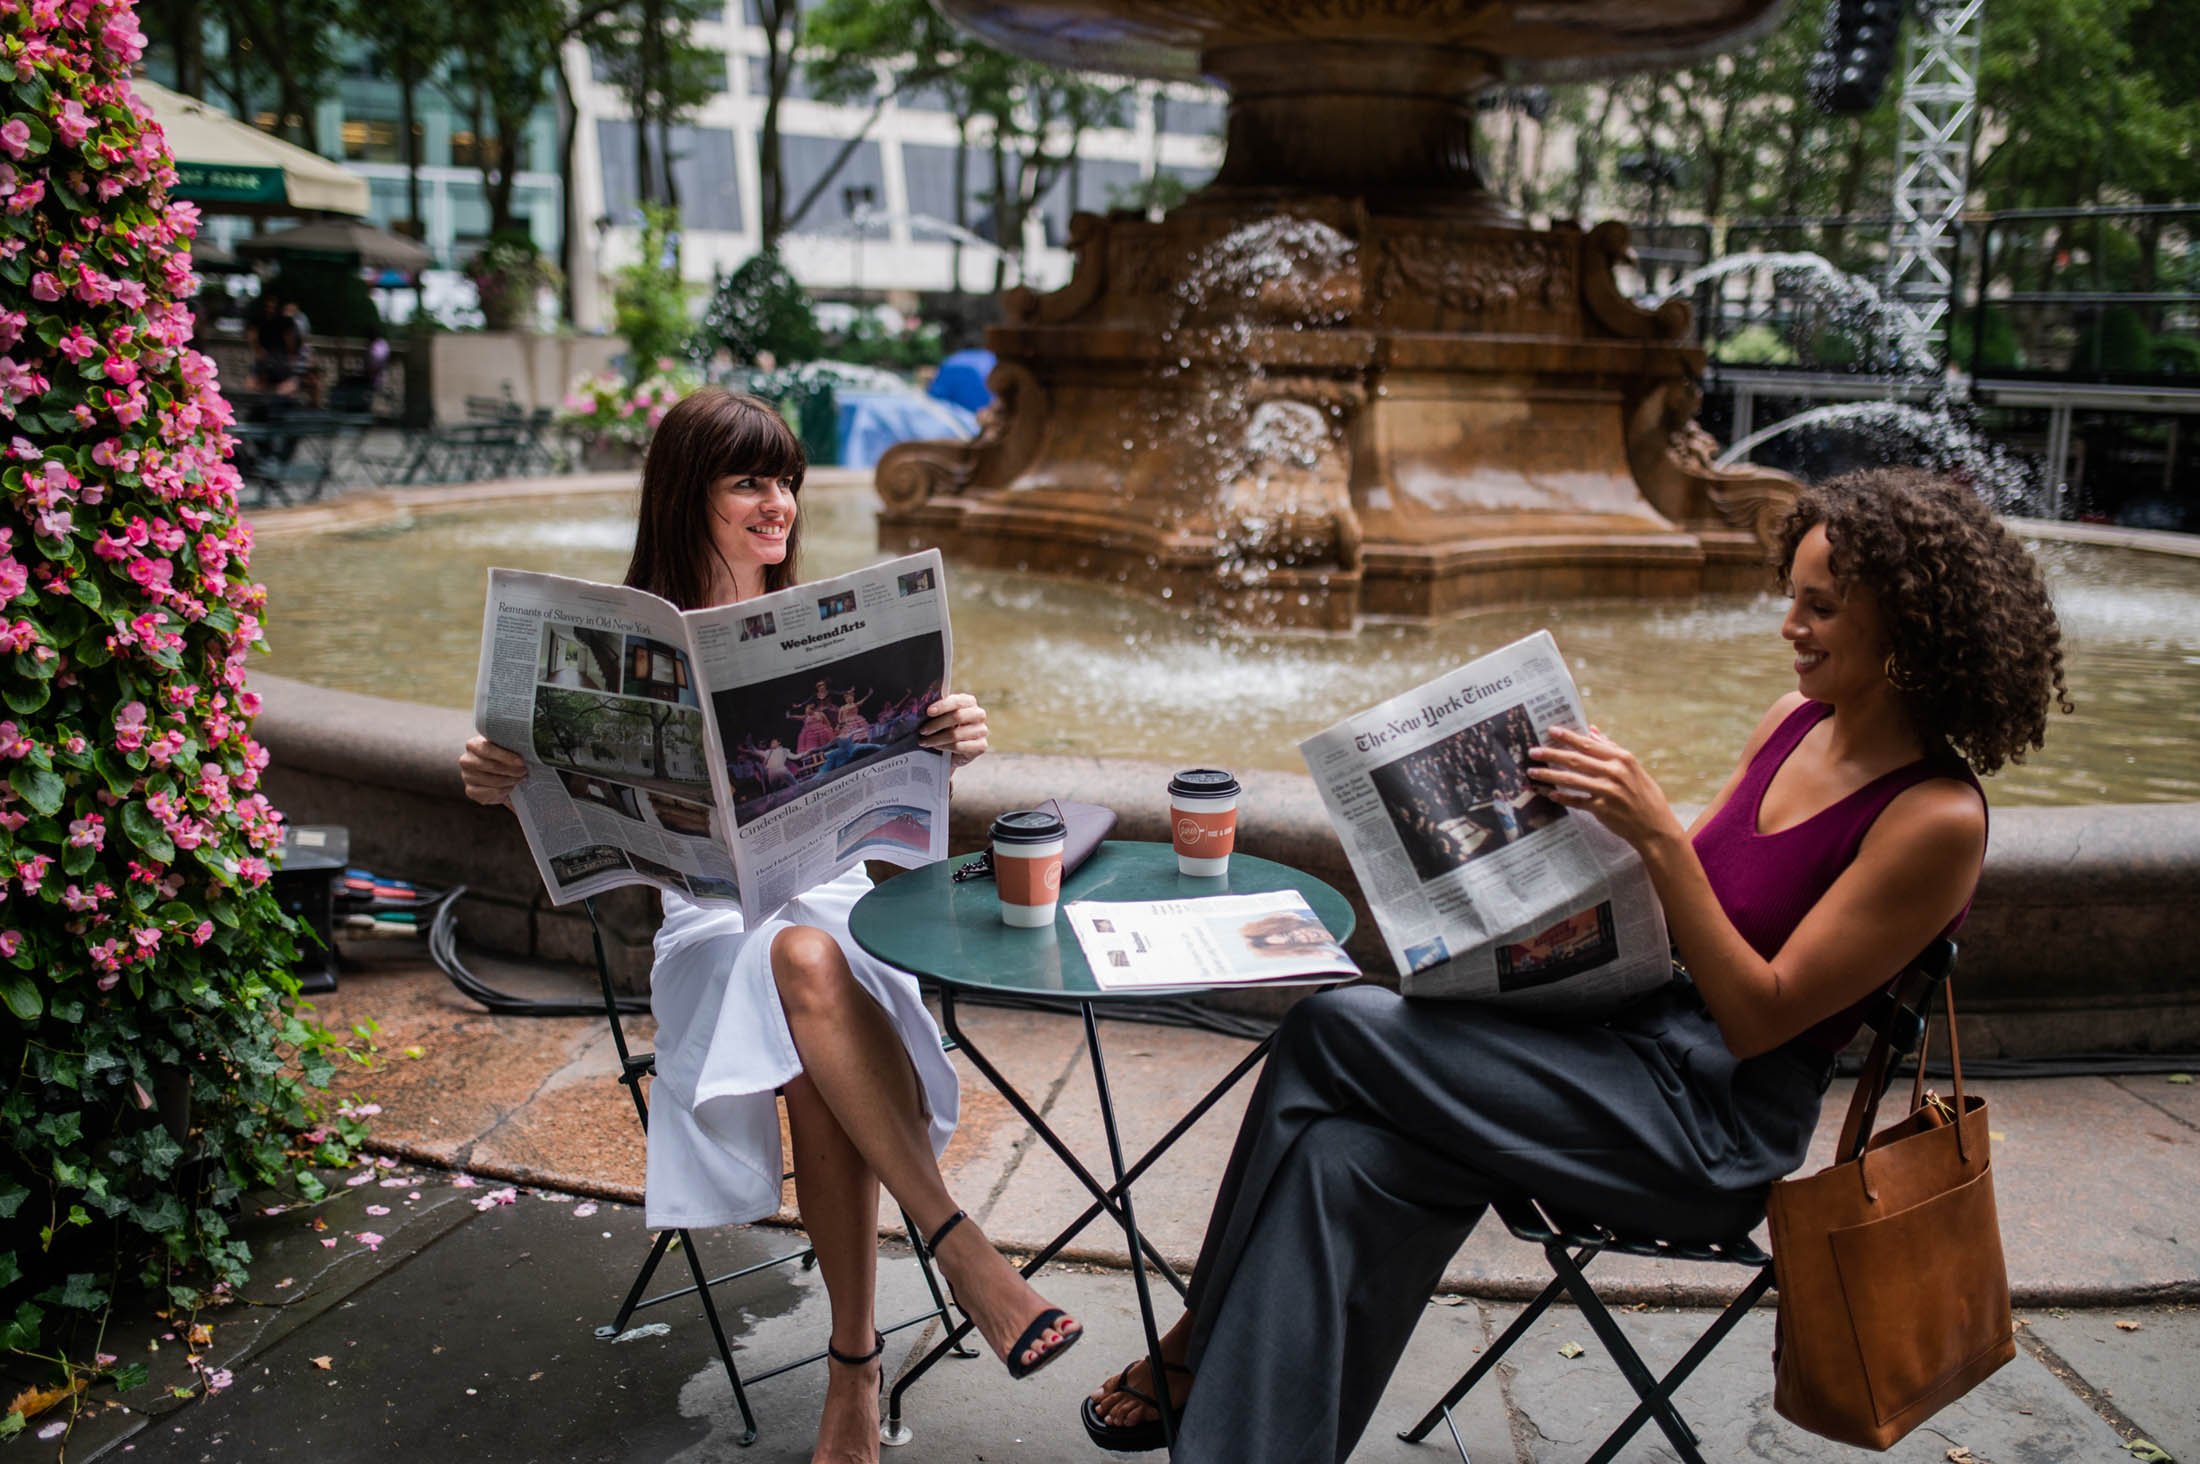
<point x="443" y="950"/>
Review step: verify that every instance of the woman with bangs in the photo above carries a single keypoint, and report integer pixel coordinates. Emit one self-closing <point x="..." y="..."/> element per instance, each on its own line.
<point x="793" y="1010"/>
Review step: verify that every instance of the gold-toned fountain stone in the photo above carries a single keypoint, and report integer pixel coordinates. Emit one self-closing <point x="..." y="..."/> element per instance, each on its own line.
<point x="1341" y="380"/>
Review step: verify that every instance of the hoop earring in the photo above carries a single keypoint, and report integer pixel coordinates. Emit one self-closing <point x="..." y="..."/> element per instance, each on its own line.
<point x="1896" y="678"/>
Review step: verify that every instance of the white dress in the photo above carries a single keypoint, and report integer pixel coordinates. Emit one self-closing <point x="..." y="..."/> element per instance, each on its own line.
<point x="723" y="1051"/>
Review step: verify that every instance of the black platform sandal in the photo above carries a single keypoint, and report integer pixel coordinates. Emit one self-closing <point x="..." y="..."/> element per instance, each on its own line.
<point x="1047" y="1321"/>
<point x="1142" y="1437"/>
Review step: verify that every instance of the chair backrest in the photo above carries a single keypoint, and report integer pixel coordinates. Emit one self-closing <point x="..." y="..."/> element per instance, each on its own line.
<point x="1900" y="1018"/>
<point x="491" y="408"/>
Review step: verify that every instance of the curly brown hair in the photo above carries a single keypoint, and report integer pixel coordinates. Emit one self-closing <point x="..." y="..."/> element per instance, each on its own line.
<point x="1976" y="650"/>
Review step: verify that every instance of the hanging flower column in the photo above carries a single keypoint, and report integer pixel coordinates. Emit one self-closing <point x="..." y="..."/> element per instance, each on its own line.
<point x="143" y="959"/>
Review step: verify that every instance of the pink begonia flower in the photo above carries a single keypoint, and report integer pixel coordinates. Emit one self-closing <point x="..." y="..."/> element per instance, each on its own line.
<point x="31" y="873"/>
<point x="121" y="36"/>
<point x="15" y="136"/>
<point x="218" y="1379"/>
<point x="130" y="727"/>
<point x="121" y="370"/>
<point x="14" y="578"/>
<point x="254" y="870"/>
<point x="76" y="345"/>
<point x="19" y="637"/>
<point x="79" y="900"/>
<point x="75" y="745"/>
<point x="72" y="126"/>
<point x="45" y="286"/>
<point x="202" y="932"/>
<point x="147" y="938"/>
<point x="12" y="941"/>
<point x="87" y="832"/>
<point x="370" y="1240"/>
<point x="377" y="1211"/>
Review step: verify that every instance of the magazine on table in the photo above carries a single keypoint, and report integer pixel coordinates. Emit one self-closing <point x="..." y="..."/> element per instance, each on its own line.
<point x="1272" y="939"/>
<point x="1483" y="885"/>
<point x="739" y="754"/>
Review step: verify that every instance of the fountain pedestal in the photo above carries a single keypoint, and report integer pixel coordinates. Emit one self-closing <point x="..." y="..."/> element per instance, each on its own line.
<point x="1305" y="422"/>
<point x="1340" y="381"/>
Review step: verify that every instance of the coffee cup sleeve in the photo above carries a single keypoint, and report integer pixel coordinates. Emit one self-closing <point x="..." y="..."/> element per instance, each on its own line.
<point x="1085" y="826"/>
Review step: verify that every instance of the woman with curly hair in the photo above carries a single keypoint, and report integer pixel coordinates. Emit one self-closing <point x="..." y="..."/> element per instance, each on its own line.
<point x="1849" y="837"/>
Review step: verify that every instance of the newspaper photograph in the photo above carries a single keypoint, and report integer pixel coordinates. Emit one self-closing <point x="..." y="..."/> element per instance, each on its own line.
<point x="738" y="754"/>
<point x="1484" y="887"/>
<point x="1272" y="939"/>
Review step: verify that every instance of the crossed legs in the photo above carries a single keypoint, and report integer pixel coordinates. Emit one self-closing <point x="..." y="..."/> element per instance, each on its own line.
<point x="857" y="1121"/>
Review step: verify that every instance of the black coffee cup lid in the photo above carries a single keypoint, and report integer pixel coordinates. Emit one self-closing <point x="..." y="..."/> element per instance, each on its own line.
<point x="1203" y="783"/>
<point x="1027" y="826"/>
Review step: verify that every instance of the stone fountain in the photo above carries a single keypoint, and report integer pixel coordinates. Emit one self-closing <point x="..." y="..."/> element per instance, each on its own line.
<point x="1342" y="380"/>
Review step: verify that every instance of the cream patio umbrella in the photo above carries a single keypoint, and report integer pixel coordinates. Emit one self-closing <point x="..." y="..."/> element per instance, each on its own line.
<point x="226" y="166"/>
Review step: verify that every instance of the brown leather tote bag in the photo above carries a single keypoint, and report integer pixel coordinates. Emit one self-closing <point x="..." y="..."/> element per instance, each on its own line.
<point x="1894" y="1301"/>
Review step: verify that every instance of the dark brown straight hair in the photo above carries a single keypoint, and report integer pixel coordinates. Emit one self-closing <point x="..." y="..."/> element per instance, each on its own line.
<point x="708" y="435"/>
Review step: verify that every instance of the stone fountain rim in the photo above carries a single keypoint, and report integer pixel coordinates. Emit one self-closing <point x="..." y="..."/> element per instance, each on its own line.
<point x="371" y="507"/>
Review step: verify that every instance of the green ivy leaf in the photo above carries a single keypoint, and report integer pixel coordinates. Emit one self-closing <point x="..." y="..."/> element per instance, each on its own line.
<point x="21" y="1332"/>
<point x="41" y="788"/>
<point x="12" y="1196"/>
<point x="22" y="999"/>
<point x="145" y="832"/>
<point x="83" y="1292"/>
<point x="11" y="1424"/>
<point x="129" y="1375"/>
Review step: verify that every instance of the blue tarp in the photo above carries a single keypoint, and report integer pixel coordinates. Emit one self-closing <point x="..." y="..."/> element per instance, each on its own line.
<point x="871" y="422"/>
<point x="961" y="380"/>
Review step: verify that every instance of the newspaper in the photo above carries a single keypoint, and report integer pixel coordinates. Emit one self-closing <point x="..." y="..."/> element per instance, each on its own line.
<point x="739" y="754"/>
<point x="1272" y="939"/>
<point x="1485" y="887"/>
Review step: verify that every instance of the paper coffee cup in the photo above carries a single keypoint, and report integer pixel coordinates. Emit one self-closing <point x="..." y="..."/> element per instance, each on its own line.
<point x="1203" y="820"/>
<point x="1027" y="866"/>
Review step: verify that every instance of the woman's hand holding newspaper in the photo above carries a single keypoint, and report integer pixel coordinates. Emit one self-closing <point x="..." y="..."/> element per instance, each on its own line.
<point x="490" y="772"/>
<point x="1591" y="772"/>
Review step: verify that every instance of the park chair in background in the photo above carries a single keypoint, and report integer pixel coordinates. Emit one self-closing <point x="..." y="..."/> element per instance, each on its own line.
<point x="633" y="1068"/>
<point x="1571" y="1242"/>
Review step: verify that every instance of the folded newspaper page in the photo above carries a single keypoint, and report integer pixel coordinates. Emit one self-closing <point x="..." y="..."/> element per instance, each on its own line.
<point x="1272" y="939"/>
<point x="1483" y="886"/>
<point x="739" y="754"/>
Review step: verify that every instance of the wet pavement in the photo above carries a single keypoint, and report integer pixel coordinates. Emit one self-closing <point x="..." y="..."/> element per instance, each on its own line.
<point x="443" y="1302"/>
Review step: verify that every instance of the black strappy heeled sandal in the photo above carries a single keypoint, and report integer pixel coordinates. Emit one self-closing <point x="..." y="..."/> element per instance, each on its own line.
<point x="869" y="1357"/>
<point x="1047" y="1321"/>
<point x="1142" y="1437"/>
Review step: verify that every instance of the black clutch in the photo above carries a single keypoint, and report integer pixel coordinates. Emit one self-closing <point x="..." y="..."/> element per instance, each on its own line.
<point x="1084" y="826"/>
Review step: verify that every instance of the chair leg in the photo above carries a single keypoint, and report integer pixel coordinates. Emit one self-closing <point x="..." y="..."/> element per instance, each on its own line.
<point x="1482" y="1365"/>
<point x="718" y="1335"/>
<point x="932" y="1282"/>
<point x="641" y="1285"/>
<point x="1702" y="1348"/>
<point x="1624" y="1357"/>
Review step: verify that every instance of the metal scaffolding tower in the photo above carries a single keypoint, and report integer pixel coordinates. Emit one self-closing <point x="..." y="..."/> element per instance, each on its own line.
<point x="1940" y="51"/>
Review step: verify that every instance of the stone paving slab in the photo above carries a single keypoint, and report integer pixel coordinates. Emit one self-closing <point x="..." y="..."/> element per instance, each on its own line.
<point x="2021" y="1415"/>
<point x="2147" y="1373"/>
<point x="2094" y="1175"/>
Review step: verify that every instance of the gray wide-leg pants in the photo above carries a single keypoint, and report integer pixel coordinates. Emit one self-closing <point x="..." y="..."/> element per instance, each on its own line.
<point x="1378" y="1132"/>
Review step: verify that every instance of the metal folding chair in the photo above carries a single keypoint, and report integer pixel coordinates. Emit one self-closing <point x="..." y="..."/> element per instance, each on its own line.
<point x="635" y="1066"/>
<point x="1571" y="1242"/>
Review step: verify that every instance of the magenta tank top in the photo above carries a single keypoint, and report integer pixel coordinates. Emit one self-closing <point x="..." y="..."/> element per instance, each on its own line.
<point x="1767" y="883"/>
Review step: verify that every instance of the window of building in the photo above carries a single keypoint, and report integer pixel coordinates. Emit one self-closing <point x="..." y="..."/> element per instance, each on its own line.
<point x="373" y="140"/>
<point x="703" y="172"/>
<point x="1192" y="116"/>
<point x="805" y="160"/>
<point x="930" y="173"/>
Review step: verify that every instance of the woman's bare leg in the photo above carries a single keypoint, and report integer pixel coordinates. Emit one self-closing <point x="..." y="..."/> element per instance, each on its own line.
<point x="838" y="1196"/>
<point x="855" y="1062"/>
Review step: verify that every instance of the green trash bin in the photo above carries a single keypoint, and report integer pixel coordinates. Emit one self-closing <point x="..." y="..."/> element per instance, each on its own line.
<point x="817" y="422"/>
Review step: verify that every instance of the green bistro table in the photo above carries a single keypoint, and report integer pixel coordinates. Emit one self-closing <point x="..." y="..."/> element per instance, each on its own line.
<point x="924" y="922"/>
